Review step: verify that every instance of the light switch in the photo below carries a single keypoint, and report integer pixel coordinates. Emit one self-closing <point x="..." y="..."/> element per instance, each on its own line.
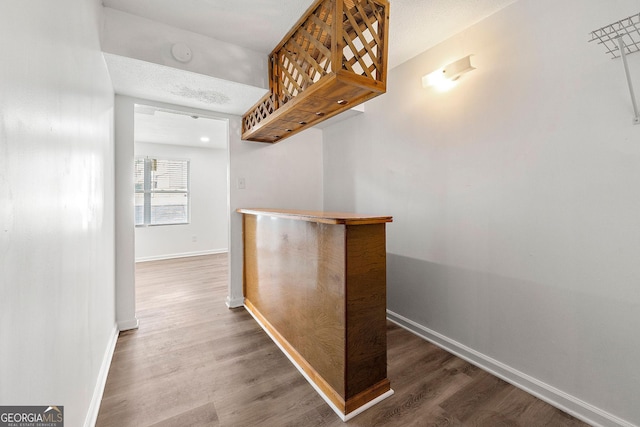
<point x="241" y="184"/>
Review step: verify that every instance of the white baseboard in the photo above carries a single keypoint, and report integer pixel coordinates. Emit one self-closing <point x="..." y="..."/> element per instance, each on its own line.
<point x="96" y="399"/>
<point x="126" y="325"/>
<point x="364" y="407"/>
<point x="555" y="397"/>
<point x="181" y="255"/>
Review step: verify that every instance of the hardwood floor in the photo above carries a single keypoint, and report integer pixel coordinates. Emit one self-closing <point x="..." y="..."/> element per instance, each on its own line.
<point x="194" y="362"/>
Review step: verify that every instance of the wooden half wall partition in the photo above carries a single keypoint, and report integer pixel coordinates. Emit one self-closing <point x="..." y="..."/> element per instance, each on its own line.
<point x="334" y="58"/>
<point x="316" y="282"/>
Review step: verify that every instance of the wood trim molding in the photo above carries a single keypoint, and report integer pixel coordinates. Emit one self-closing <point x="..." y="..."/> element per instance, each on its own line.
<point x="346" y="218"/>
<point x="368" y="395"/>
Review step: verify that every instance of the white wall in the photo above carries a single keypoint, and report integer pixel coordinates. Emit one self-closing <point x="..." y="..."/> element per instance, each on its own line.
<point x="208" y="206"/>
<point x="286" y="175"/>
<point x="56" y="206"/>
<point x="516" y="199"/>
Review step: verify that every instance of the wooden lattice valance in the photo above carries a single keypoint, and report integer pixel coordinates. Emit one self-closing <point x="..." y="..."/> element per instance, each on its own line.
<point x="334" y="58"/>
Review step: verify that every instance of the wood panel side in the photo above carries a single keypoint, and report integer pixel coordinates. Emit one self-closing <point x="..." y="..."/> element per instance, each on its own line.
<point x="366" y="300"/>
<point x="317" y="379"/>
<point x="294" y="276"/>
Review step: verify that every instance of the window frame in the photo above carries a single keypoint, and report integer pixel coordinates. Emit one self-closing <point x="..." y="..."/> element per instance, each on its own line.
<point x="148" y="192"/>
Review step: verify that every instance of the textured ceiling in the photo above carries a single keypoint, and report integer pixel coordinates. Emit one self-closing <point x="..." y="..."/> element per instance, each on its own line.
<point x="254" y="24"/>
<point x="415" y="25"/>
<point x="156" y="82"/>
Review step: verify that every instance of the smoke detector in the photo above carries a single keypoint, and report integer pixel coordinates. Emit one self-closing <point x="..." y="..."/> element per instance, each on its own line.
<point x="181" y="52"/>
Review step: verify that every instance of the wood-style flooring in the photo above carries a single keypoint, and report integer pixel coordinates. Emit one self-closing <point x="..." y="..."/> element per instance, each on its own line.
<point x="194" y="362"/>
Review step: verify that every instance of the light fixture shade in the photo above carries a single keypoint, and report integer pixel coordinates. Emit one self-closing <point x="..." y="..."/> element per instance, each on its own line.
<point x="454" y="70"/>
<point x="444" y="78"/>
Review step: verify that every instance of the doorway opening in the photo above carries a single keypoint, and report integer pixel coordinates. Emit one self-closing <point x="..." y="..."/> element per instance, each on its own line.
<point x="181" y="185"/>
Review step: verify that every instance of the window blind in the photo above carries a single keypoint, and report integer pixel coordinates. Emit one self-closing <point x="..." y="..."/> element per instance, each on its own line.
<point x="161" y="191"/>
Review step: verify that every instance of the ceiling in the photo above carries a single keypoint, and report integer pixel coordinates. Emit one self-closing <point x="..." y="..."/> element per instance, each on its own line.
<point x="415" y="26"/>
<point x="156" y="82"/>
<point x="161" y="126"/>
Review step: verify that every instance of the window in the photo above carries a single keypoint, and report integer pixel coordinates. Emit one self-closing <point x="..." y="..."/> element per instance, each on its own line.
<point x="162" y="191"/>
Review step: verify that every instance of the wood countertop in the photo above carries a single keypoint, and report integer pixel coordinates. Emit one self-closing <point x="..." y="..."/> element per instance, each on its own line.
<point x="346" y="218"/>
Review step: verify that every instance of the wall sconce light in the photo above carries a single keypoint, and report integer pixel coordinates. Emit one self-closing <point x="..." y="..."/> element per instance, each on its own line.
<point x="445" y="78"/>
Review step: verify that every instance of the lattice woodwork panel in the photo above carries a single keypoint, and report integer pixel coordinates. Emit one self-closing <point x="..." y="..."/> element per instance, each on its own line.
<point x="261" y="111"/>
<point x="306" y="56"/>
<point x="362" y="29"/>
<point x="331" y="60"/>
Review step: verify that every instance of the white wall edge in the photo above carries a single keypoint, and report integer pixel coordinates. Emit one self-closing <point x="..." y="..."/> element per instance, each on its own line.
<point x="555" y="397"/>
<point x="322" y="394"/>
<point x="234" y="302"/>
<point x="182" y="255"/>
<point x="128" y="324"/>
<point x="94" y="406"/>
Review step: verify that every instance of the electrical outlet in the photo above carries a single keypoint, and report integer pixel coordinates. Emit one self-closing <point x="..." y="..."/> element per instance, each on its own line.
<point x="194" y="238"/>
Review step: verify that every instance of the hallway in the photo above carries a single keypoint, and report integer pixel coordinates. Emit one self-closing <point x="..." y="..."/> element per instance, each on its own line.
<point x="195" y="362"/>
